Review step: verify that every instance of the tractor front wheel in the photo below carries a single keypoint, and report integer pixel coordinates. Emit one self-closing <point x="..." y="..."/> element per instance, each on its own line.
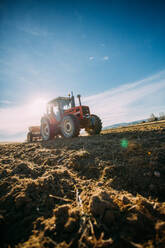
<point x="95" y="125"/>
<point x="70" y="126"/>
<point x="46" y="131"/>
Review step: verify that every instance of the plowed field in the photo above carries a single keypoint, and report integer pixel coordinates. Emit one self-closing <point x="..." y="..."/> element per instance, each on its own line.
<point x="101" y="191"/>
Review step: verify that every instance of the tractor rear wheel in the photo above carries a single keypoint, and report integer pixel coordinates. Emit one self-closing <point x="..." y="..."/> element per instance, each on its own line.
<point x="29" y="137"/>
<point x="46" y="130"/>
<point x="96" y="125"/>
<point x="70" y="126"/>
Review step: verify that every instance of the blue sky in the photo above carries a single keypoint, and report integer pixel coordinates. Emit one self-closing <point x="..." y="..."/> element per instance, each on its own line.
<point x="112" y="52"/>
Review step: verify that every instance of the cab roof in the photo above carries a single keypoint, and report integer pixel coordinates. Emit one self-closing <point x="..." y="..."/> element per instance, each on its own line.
<point x="62" y="100"/>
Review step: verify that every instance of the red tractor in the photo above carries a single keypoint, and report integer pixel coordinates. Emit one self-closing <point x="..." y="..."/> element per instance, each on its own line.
<point x="65" y="119"/>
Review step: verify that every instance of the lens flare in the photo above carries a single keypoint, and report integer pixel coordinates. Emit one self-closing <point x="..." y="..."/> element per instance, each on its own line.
<point x="124" y="143"/>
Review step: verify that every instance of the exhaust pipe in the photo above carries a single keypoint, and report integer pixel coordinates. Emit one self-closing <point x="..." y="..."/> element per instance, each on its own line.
<point x="72" y="100"/>
<point x="79" y="98"/>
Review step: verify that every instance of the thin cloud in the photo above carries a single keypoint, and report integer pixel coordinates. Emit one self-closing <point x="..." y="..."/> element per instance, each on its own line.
<point x="5" y="102"/>
<point x="91" y="58"/>
<point x="106" y="58"/>
<point x="35" y="31"/>
<point x="121" y="104"/>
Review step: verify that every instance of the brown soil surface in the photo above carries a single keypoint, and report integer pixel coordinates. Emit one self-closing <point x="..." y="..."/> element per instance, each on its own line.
<point x="86" y="191"/>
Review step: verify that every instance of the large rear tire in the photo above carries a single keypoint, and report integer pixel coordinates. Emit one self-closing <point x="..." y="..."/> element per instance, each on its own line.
<point x="70" y="126"/>
<point x="29" y="137"/>
<point x="96" y="125"/>
<point x="46" y="130"/>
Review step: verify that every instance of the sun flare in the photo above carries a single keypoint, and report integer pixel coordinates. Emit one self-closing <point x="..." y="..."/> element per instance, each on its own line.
<point x="37" y="107"/>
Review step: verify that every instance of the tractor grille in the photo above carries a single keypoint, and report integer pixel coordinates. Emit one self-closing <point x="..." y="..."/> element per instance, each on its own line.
<point x="85" y="110"/>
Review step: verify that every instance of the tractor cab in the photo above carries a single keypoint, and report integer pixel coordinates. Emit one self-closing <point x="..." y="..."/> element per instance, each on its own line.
<point x="57" y="107"/>
<point x="60" y="104"/>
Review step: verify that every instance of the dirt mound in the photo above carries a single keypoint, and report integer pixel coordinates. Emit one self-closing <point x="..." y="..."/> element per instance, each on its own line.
<point x="101" y="191"/>
<point x="84" y="164"/>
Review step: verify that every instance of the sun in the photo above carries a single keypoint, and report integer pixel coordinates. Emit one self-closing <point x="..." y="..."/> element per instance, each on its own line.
<point x="37" y="106"/>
